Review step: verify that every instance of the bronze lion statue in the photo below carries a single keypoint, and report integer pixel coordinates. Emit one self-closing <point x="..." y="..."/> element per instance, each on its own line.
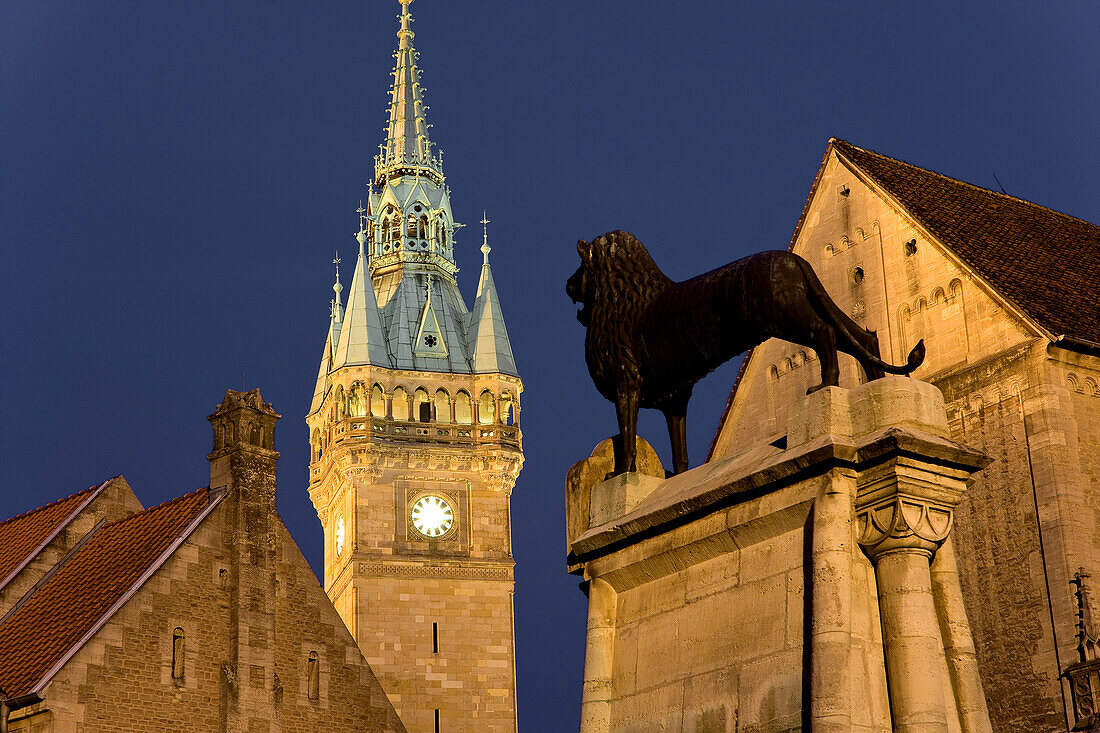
<point x="650" y="339"/>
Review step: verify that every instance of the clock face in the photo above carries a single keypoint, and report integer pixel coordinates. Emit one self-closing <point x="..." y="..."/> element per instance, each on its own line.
<point x="432" y="516"/>
<point x="339" y="536"/>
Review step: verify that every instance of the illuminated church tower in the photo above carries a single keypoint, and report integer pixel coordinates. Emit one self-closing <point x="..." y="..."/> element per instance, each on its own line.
<point x="416" y="445"/>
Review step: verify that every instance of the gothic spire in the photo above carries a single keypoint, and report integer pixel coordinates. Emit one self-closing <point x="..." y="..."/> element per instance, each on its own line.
<point x="407" y="150"/>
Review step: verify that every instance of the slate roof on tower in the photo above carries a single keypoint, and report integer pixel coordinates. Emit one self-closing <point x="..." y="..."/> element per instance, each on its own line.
<point x="1042" y="260"/>
<point x="406" y="241"/>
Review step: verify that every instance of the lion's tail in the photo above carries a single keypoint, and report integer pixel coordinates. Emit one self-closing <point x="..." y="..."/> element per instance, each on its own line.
<point x="848" y="328"/>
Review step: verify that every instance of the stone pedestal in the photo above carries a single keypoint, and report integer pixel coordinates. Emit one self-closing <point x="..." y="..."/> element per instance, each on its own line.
<point x="717" y="595"/>
<point x="619" y="495"/>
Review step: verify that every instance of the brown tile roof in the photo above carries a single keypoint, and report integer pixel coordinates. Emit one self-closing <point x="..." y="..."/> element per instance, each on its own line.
<point x="51" y="623"/>
<point x="1043" y="261"/>
<point x="22" y="536"/>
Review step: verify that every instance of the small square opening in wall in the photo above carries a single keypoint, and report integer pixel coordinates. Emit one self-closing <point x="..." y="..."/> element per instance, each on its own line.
<point x="857" y="276"/>
<point x="843" y="190"/>
<point x="911" y="247"/>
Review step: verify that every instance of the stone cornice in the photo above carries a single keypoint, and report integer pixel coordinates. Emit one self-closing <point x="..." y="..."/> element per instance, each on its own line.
<point x="722" y="484"/>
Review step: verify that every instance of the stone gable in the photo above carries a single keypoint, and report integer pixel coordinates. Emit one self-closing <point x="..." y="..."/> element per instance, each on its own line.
<point x="1013" y="390"/>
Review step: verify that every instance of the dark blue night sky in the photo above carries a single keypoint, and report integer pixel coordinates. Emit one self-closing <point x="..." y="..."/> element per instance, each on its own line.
<point x="174" y="178"/>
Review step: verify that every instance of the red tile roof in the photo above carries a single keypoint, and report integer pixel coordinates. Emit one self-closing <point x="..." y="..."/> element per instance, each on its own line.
<point x="22" y="536"/>
<point x="1042" y="260"/>
<point x="55" y="620"/>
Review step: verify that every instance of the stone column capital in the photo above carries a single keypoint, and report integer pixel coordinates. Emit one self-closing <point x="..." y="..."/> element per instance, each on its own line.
<point x="907" y="504"/>
<point x="903" y="523"/>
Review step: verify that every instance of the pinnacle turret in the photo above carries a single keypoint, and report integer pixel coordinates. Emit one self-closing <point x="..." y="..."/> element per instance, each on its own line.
<point x="492" y="351"/>
<point x="361" y="339"/>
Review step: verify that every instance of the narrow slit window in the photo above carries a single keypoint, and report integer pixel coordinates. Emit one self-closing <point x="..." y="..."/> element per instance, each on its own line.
<point x="435" y="637"/>
<point x="437" y="720"/>
<point x="314" y="674"/>
<point x="177" y="654"/>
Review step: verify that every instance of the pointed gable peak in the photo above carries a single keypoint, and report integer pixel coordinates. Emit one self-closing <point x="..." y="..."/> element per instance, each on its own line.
<point x="1005" y="241"/>
<point x="429" y="338"/>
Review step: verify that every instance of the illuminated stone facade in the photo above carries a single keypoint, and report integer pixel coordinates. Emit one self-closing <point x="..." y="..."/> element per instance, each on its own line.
<point x="415" y="446"/>
<point x="200" y="614"/>
<point x="790" y="587"/>
<point x="898" y="248"/>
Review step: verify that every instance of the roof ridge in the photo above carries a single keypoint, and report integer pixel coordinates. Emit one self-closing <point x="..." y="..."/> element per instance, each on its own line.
<point x="146" y="512"/>
<point x="55" y="502"/>
<point x="999" y="194"/>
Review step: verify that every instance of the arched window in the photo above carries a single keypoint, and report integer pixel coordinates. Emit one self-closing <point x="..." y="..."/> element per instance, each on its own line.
<point x="486" y="408"/>
<point x="464" y="410"/>
<point x="385" y="229"/>
<point x="313" y="675"/>
<point x="377" y="402"/>
<point x="507" y="409"/>
<point x="177" y="653"/>
<point x="411" y="228"/>
<point x="395" y="229"/>
<point x="422" y="227"/>
<point x="357" y="404"/>
<point x="400" y="404"/>
<point x="315" y="443"/>
<point x="442" y="406"/>
<point x="422" y="405"/>
<point x="341" y="402"/>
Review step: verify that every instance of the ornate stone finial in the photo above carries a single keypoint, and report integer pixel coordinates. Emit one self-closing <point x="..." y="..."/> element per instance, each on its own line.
<point x="485" y="248"/>
<point x="405" y="34"/>
<point x="361" y="235"/>
<point x="1084" y="674"/>
<point x="336" y="286"/>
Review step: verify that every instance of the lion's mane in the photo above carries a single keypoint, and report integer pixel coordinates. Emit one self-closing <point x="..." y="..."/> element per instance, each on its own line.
<point x="624" y="281"/>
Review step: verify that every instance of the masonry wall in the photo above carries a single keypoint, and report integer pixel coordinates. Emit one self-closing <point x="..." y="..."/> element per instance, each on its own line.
<point x="122" y="679"/>
<point x="711" y="622"/>
<point x="722" y="645"/>
<point x="1007" y="394"/>
<point x="391" y="584"/>
<point x="114" y="502"/>
<point x="470" y="677"/>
